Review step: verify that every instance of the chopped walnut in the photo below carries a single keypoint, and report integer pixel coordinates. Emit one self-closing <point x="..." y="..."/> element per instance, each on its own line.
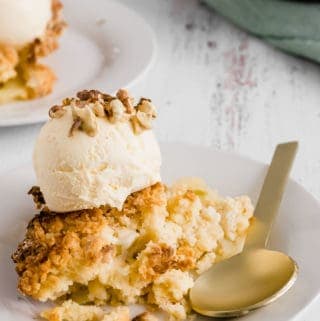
<point x="126" y="99"/>
<point x="145" y="113"/>
<point x="90" y="104"/>
<point x="144" y="120"/>
<point x="37" y="196"/>
<point x="78" y="103"/>
<point x="145" y="105"/>
<point x="136" y="126"/>
<point x="66" y="101"/>
<point x="56" y="111"/>
<point x="77" y="122"/>
<point x="117" y="110"/>
<point x="84" y="94"/>
<point x="98" y="109"/>
<point x="84" y="119"/>
<point x="93" y="96"/>
<point x="89" y="122"/>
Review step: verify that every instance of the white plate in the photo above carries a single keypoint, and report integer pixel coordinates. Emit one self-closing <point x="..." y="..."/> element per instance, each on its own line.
<point x="106" y="46"/>
<point x="296" y="231"/>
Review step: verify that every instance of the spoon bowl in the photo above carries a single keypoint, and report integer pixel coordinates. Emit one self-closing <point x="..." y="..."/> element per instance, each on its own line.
<point x="243" y="283"/>
<point x="257" y="276"/>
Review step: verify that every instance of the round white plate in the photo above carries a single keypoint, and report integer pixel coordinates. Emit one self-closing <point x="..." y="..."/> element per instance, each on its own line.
<point x="296" y="231"/>
<point x="106" y="46"/>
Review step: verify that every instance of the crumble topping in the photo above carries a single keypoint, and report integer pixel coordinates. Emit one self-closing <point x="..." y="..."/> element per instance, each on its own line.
<point x="90" y="104"/>
<point x="149" y="252"/>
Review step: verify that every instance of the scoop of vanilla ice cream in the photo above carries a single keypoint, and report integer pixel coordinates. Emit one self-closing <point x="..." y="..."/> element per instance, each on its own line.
<point x="22" y="21"/>
<point x="80" y="171"/>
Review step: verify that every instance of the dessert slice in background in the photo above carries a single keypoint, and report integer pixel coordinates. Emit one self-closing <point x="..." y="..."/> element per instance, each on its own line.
<point x="28" y="31"/>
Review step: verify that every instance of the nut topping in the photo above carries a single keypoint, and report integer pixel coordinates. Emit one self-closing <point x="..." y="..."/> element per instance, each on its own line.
<point x="127" y="101"/>
<point x="144" y="119"/>
<point x="98" y="109"/>
<point x="145" y="105"/>
<point x="75" y="125"/>
<point x="56" y="111"/>
<point x="90" y="104"/>
<point x="84" y="119"/>
<point x="136" y="127"/>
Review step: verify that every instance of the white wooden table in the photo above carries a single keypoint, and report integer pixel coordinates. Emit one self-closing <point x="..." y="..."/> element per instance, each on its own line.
<point x="214" y="85"/>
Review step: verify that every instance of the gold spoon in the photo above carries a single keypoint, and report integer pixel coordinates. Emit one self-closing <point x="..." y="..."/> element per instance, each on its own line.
<point x="257" y="276"/>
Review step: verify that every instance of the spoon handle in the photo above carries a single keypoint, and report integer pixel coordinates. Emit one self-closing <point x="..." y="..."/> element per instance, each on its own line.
<point x="271" y="194"/>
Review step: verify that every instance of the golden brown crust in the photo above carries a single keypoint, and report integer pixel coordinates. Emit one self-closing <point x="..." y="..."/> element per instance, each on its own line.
<point x="55" y="240"/>
<point x="158" y="258"/>
<point x="154" y="260"/>
<point x="144" y="200"/>
<point x="149" y="252"/>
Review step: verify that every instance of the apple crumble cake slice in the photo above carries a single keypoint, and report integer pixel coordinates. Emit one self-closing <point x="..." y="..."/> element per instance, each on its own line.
<point x="149" y="252"/>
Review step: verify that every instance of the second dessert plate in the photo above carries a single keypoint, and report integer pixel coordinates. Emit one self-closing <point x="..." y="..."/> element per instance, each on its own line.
<point x="106" y="46"/>
<point x="296" y="231"/>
